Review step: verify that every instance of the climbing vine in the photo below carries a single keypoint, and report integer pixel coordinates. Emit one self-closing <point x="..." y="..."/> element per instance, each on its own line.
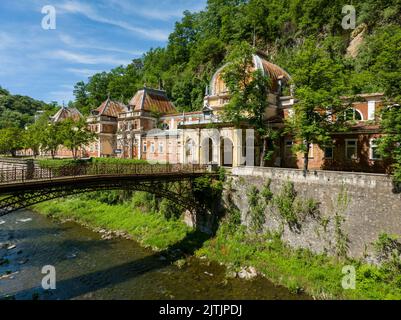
<point x="292" y="209"/>
<point x="256" y="209"/>
<point x="341" y="237"/>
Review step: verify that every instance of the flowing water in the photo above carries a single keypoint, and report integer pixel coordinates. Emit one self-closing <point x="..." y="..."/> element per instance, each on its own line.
<point x="88" y="267"/>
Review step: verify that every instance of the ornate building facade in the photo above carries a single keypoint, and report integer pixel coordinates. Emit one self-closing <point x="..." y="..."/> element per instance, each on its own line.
<point x="150" y="128"/>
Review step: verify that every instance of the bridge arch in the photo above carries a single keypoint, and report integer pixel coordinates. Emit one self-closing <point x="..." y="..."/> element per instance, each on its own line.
<point x="178" y="188"/>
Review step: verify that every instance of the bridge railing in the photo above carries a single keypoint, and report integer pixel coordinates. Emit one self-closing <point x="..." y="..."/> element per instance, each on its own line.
<point x="95" y="169"/>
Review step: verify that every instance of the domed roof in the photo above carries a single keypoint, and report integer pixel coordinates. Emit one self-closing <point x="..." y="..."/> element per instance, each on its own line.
<point x="274" y="72"/>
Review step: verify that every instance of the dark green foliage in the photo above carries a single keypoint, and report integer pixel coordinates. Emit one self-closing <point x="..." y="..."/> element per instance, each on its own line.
<point x="18" y="111"/>
<point x="388" y="251"/>
<point x="222" y="174"/>
<point x="112" y="197"/>
<point x="389" y="144"/>
<point x="266" y="192"/>
<point x="170" y="210"/>
<point x="284" y="202"/>
<point x="341" y="238"/>
<point x="299" y="270"/>
<point x="319" y="78"/>
<point x="145" y="201"/>
<point x="291" y="207"/>
<point x="257" y="209"/>
<point x="199" y="42"/>
<point x="11" y="140"/>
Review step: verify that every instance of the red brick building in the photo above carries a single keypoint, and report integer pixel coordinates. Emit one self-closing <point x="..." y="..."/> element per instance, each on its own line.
<point x="150" y="128"/>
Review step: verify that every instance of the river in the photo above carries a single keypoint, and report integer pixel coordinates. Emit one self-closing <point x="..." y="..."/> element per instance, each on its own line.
<point x="88" y="267"/>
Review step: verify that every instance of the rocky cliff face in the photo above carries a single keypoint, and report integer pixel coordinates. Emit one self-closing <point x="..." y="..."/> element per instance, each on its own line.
<point x="357" y="38"/>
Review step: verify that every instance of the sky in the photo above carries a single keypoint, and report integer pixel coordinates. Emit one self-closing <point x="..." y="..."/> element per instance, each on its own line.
<point x="89" y="37"/>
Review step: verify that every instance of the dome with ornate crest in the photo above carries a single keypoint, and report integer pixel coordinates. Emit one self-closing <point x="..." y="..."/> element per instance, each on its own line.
<point x="278" y="76"/>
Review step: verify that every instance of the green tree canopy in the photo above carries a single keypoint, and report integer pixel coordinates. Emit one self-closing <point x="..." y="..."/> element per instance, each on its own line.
<point x="319" y="80"/>
<point x="249" y="92"/>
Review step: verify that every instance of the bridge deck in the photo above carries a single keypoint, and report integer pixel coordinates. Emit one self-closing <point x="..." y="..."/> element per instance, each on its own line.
<point x="36" y="184"/>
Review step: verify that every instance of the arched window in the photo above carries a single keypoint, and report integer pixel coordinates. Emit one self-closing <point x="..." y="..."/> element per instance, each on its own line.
<point x="353" y="115"/>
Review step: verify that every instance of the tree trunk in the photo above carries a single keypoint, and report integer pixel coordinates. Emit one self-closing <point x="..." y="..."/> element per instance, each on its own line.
<point x="263" y="153"/>
<point x="306" y="158"/>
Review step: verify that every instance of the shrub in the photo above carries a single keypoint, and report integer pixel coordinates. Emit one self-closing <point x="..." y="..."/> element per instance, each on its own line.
<point x="284" y="202"/>
<point x="388" y="251"/>
<point x="256" y="209"/>
<point x="144" y="201"/>
<point x="170" y="210"/>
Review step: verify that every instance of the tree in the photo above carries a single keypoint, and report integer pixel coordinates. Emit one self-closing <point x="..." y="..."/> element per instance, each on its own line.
<point x="97" y="88"/>
<point x="3" y="92"/>
<point x="81" y="97"/>
<point x="52" y="138"/>
<point x="380" y="65"/>
<point x="319" y="80"/>
<point x="35" y="134"/>
<point x="76" y="135"/>
<point x="11" y="140"/>
<point x="390" y="143"/>
<point x="249" y="91"/>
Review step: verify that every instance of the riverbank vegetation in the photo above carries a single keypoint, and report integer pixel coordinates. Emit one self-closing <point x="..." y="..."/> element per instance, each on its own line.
<point x="113" y="211"/>
<point x="299" y="270"/>
<point x="157" y="224"/>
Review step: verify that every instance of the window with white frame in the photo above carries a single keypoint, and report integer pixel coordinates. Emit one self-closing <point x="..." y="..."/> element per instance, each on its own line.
<point x="353" y="115"/>
<point x="161" y="147"/>
<point x="145" y="147"/>
<point x="374" y="150"/>
<point x="310" y="154"/>
<point x="351" y="149"/>
<point x="152" y="147"/>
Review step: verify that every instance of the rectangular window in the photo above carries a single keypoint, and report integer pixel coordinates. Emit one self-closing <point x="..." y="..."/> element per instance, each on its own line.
<point x="160" y="147"/>
<point x="351" y="149"/>
<point x="374" y="154"/>
<point x="310" y="154"/>
<point x="328" y="152"/>
<point x="144" y="147"/>
<point x="152" y="148"/>
<point x="288" y="148"/>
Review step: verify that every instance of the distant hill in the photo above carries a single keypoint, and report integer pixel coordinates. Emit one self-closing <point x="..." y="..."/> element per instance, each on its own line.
<point x="18" y="111"/>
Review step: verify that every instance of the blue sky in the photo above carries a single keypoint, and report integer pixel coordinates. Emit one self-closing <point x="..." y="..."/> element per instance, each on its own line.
<point x="90" y="36"/>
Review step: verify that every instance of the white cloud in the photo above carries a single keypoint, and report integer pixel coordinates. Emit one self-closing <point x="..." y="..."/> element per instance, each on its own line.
<point x="164" y="12"/>
<point x="86" y="59"/>
<point x="83" y="72"/>
<point x="61" y="96"/>
<point x="70" y="41"/>
<point x="90" y="13"/>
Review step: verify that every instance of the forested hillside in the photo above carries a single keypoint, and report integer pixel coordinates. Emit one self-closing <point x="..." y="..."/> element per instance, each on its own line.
<point x="18" y="111"/>
<point x="370" y="54"/>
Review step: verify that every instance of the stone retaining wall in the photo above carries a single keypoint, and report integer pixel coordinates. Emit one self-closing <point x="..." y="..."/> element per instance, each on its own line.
<point x="374" y="206"/>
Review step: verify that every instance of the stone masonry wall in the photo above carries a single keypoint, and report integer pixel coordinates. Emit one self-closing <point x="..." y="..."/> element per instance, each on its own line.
<point x="374" y="206"/>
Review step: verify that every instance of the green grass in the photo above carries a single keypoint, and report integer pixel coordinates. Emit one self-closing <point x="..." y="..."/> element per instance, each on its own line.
<point x="299" y="270"/>
<point x="150" y="229"/>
